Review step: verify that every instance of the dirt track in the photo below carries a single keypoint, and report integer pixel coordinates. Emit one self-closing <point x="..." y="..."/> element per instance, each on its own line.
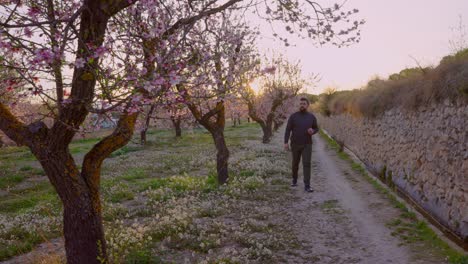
<point x="344" y="220"/>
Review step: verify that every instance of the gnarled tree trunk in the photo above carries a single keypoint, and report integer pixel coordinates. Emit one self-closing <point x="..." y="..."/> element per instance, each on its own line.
<point x="79" y="191"/>
<point x="216" y="128"/>
<point x="266" y="125"/>
<point x="267" y="133"/>
<point x="217" y="132"/>
<point x="277" y="124"/>
<point x="82" y="219"/>
<point x="176" y="121"/>
<point x="145" y="128"/>
<point x="222" y="155"/>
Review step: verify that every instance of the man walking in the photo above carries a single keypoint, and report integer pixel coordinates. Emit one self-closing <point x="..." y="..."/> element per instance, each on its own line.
<point x="301" y="126"/>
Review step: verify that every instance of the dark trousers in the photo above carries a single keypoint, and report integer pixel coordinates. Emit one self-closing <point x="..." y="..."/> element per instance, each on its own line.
<point x="306" y="152"/>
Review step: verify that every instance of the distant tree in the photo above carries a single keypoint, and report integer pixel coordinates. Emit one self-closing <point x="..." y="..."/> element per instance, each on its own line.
<point x="280" y="82"/>
<point x="225" y="51"/>
<point x="236" y="109"/>
<point x="323" y="104"/>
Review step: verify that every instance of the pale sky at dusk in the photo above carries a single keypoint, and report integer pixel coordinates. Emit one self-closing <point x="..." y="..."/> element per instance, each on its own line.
<point x="394" y="31"/>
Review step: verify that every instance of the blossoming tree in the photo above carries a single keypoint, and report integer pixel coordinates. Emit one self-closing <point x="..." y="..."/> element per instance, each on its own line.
<point x="236" y="109"/>
<point x="70" y="56"/>
<point x="39" y="40"/>
<point x="225" y="50"/>
<point x="279" y="84"/>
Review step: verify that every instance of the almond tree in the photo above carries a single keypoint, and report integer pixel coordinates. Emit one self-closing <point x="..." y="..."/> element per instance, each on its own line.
<point x="36" y="39"/>
<point x="39" y="39"/>
<point x="283" y="112"/>
<point x="172" y="114"/>
<point x="224" y="48"/>
<point x="179" y="113"/>
<point x="236" y="109"/>
<point x="279" y="84"/>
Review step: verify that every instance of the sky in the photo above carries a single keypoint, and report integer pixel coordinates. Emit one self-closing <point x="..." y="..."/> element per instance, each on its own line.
<point x="395" y="34"/>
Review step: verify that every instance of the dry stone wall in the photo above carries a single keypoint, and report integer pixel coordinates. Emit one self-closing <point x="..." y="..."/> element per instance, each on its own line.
<point x="423" y="152"/>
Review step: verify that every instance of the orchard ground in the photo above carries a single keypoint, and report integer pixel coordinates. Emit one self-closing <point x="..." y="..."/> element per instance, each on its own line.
<point x="162" y="205"/>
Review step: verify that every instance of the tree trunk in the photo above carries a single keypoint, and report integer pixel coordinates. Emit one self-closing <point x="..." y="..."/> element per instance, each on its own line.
<point x="79" y="192"/>
<point x="216" y="128"/>
<point x="222" y="155"/>
<point x="147" y="124"/>
<point x="143" y="136"/>
<point x="267" y="133"/>
<point x="233" y="121"/>
<point x="84" y="233"/>
<point x="178" y="129"/>
<point x="82" y="220"/>
<point x="277" y="125"/>
<point x="267" y="128"/>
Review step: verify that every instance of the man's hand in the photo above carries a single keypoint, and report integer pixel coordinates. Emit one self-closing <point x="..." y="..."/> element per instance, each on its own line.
<point x="286" y="146"/>
<point x="310" y="131"/>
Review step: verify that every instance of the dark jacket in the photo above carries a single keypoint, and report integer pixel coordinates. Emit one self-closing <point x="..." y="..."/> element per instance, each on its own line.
<point x="298" y="123"/>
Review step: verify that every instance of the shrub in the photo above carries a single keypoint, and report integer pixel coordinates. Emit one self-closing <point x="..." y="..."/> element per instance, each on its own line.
<point x="409" y="89"/>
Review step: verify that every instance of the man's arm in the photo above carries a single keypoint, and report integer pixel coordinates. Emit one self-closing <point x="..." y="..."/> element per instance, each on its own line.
<point x="287" y="133"/>
<point x="315" y="126"/>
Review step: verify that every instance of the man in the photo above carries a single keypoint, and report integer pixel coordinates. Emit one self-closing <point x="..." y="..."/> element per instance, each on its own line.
<point x="303" y="125"/>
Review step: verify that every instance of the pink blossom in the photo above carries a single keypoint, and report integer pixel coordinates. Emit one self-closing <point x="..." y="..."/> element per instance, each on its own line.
<point x="44" y="55"/>
<point x="33" y="12"/>
<point x="137" y="98"/>
<point x="175" y="80"/>
<point x="269" y="70"/>
<point x="149" y="87"/>
<point x="28" y="32"/>
<point x="159" y="81"/>
<point x="5" y="45"/>
<point x="99" y="52"/>
<point x="79" y="63"/>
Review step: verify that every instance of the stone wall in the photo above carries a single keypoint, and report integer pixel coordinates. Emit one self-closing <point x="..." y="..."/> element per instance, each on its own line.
<point x="423" y="152"/>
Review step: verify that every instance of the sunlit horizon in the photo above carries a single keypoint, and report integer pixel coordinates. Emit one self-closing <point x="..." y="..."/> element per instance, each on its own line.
<point x="397" y="35"/>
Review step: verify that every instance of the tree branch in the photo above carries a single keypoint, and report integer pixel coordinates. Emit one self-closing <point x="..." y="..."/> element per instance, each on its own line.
<point x="12" y="127"/>
<point x="91" y="169"/>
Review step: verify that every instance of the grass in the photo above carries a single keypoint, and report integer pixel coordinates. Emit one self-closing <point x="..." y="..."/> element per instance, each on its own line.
<point x="329" y="204"/>
<point x="10" y="180"/>
<point x="125" y="150"/>
<point x="26" y="243"/>
<point x="129" y="179"/>
<point x="26" y="168"/>
<point x="134" y="174"/>
<point x="142" y="256"/>
<point x="20" y="201"/>
<point x="407" y="227"/>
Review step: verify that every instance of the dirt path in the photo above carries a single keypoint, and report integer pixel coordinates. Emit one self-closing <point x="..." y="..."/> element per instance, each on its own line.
<point x="344" y="220"/>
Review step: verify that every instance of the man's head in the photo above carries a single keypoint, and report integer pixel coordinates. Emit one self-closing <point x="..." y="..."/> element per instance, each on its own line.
<point x="303" y="104"/>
